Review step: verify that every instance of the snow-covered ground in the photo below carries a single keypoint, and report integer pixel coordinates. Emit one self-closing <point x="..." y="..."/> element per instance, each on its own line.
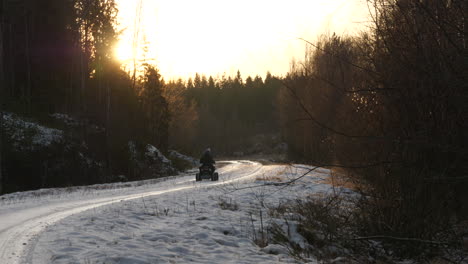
<point x="20" y="129"/>
<point x="176" y="220"/>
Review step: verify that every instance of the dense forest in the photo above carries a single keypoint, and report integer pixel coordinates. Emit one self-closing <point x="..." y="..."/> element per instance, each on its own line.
<point x="387" y="108"/>
<point x="57" y="57"/>
<point x="59" y="70"/>
<point x="228" y="114"/>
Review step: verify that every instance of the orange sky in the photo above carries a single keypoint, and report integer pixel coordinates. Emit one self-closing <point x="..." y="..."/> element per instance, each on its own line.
<point x="213" y="37"/>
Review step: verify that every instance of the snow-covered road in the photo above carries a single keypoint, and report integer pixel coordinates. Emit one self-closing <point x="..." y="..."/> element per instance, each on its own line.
<point x="32" y="226"/>
<point x="21" y="223"/>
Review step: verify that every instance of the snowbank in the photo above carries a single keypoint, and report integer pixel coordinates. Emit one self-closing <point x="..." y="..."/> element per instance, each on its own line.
<point x="154" y="153"/>
<point x="27" y="135"/>
<point x="66" y="119"/>
<point x="182" y="162"/>
<point x="149" y="162"/>
<point x="176" y="155"/>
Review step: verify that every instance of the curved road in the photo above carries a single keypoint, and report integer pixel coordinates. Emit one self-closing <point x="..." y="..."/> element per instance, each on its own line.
<point x="23" y="221"/>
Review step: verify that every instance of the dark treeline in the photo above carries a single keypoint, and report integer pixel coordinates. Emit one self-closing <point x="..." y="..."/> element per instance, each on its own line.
<point x="224" y="113"/>
<point x="57" y="57"/>
<point x="390" y="108"/>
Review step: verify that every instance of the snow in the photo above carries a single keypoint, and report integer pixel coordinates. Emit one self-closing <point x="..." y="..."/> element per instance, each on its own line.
<point x="155" y="154"/>
<point x="174" y="154"/>
<point x="175" y="220"/>
<point x="66" y="119"/>
<point x="21" y="130"/>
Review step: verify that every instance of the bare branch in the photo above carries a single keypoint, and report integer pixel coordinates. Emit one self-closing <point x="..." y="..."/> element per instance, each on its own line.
<point x="317" y="122"/>
<point x="340" y="58"/>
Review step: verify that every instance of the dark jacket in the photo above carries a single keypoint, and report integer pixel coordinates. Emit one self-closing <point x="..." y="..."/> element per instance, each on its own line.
<point x="207" y="159"/>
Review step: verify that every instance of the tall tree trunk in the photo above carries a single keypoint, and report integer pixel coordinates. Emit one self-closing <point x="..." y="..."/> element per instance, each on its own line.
<point x="1" y="102"/>
<point x="27" y="92"/>
<point x="108" y="147"/>
<point x="84" y="74"/>
<point x="136" y="39"/>
<point x="84" y="71"/>
<point x="11" y="64"/>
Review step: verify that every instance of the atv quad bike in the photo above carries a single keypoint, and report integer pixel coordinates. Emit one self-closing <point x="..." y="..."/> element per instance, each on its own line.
<point x="206" y="173"/>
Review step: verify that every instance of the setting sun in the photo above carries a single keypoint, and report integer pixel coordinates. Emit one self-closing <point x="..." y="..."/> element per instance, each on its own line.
<point x="215" y="37"/>
<point x="123" y="52"/>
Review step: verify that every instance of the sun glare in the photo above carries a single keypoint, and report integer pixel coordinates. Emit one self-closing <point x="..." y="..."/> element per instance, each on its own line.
<point x="213" y="37"/>
<point x="123" y="52"/>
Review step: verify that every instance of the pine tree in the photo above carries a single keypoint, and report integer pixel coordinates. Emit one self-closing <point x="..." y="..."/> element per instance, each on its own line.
<point x="197" y="81"/>
<point x="211" y="83"/>
<point x="156" y="108"/>
<point x="190" y="83"/>
<point x="238" y="82"/>
<point x="204" y="82"/>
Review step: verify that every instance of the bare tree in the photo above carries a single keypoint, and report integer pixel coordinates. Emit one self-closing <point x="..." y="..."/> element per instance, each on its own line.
<point x="393" y="98"/>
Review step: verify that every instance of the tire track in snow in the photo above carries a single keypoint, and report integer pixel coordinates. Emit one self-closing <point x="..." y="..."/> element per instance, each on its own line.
<point x="19" y="230"/>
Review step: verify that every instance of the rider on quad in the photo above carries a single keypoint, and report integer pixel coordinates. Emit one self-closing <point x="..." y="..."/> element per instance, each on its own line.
<point x="207" y="160"/>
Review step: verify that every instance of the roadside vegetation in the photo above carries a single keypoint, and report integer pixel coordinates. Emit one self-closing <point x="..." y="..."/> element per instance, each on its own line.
<point x="388" y="108"/>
